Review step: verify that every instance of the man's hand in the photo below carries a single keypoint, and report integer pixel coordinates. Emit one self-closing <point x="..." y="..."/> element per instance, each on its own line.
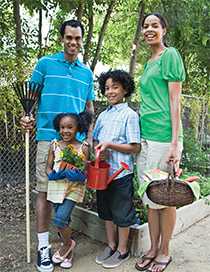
<point x="27" y="122"/>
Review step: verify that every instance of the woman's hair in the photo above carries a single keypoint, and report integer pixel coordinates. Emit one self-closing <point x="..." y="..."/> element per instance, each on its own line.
<point x="83" y="120"/>
<point x="119" y="76"/>
<point x="163" y="22"/>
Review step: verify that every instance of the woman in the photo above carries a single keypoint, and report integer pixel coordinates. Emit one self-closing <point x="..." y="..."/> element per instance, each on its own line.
<point x="161" y="85"/>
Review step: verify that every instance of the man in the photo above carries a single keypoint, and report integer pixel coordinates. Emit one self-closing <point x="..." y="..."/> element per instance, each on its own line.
<point x="67" y="87"/>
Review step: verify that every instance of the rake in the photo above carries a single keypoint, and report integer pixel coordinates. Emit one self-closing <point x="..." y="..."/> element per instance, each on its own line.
<point x="28" y="93"/>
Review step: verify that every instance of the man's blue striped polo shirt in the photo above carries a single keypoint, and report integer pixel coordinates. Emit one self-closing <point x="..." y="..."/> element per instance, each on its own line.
<point x="66" y="88"/>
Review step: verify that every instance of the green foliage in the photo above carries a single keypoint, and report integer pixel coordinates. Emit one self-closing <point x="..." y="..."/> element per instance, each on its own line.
<point x="192" y="110"/>
<point x="205" y="186"/>
<point x="194" y="157"/>
<point x="121" y="28"/>
<point x="141" y="210"/>
<point x="204" y="182"/>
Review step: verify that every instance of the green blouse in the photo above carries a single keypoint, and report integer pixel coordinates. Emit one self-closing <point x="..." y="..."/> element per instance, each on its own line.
<point x="155" y="113"/>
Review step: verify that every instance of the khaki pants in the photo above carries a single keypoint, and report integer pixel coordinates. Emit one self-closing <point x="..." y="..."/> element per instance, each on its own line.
<point x="41" y="163"/>
<point x="153" y="155"/>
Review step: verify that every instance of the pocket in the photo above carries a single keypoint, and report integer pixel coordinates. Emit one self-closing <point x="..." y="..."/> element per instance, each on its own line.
<point x="42" y="152"/>
<point x="124" y="181"/>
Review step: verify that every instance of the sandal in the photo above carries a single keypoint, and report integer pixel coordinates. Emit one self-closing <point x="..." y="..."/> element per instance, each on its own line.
<point x="57" y="258"/>
<point x="142" y="259"/>
<point x="163" y="264"/>
<point x="67" y="263"/>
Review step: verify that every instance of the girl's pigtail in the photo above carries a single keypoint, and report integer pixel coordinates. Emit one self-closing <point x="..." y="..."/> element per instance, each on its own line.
<point x="85" y="120"/>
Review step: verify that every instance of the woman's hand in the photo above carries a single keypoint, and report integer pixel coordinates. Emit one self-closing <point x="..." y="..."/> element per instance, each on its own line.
<point x="173" y="154"/>
<point x="27" y="122"/>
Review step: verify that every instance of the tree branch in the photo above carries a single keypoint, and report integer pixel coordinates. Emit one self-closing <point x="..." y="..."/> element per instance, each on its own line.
<point x="136" y="39"/>
<point x="18" y="31"/>
<point x="90" y="32"/>
<point x="102" y="33"/>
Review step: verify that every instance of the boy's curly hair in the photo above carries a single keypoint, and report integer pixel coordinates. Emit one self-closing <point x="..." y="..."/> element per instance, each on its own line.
<point x="119" y="76"/>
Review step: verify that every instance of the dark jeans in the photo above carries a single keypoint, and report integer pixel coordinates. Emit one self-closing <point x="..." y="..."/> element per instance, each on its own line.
<point x="63" y="211"/>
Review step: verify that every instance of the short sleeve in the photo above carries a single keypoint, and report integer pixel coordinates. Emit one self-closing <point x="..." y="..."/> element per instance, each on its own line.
<point x="91" y="95"/>
<point x="39" y="72"/>
<point x="172" y="67"/>
<point x="132" y="128"/>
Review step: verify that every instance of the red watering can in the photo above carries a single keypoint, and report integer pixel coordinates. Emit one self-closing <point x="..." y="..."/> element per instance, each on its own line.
<point x="98" y="173"/>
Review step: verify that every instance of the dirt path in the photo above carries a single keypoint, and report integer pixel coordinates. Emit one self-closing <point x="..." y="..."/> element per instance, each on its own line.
<point x="190" y="250"/>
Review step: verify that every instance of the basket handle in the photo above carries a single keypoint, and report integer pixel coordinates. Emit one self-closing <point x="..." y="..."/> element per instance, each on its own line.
<point x="171" y="173"/>
<point x="97" y="161"/>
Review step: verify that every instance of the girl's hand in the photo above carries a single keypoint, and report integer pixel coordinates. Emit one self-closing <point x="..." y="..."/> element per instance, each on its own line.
<point x="56" y="175"/>
<point x="27" y="122"/>
<point x="103" y="150"/>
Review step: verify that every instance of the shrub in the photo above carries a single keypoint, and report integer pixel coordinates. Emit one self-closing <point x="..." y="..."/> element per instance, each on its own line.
<point x="194" y="157"/>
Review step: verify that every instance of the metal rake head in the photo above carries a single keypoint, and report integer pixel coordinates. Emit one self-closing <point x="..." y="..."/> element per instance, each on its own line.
<point x="28" y="93"/>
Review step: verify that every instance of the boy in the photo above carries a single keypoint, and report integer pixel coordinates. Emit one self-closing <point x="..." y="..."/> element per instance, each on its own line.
<point x="117" y="135"/>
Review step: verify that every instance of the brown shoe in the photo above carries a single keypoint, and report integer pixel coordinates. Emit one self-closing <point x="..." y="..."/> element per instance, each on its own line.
<point x="141" y="260"/>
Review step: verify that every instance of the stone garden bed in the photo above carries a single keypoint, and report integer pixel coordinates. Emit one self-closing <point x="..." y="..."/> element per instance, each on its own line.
<point x="87" y="222"/>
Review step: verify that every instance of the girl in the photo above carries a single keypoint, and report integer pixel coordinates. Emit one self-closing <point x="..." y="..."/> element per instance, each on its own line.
<point x="161" y="131"/>
<point x="66" y="187"/>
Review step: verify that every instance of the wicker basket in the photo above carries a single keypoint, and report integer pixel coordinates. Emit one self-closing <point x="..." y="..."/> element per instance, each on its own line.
<point x="171" y="191"/>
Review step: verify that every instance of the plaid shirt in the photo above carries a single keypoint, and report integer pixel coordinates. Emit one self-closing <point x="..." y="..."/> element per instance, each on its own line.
<point x="118" y="124"/>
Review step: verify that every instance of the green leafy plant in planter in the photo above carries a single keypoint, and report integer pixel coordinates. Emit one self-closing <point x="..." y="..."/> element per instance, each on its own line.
<point x="141" y="210"/>
<point x="205" y="186"/>
<point x="204" y="182"/>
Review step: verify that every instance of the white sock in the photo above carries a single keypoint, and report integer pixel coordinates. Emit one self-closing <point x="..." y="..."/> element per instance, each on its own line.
<point x="43" y="239"/>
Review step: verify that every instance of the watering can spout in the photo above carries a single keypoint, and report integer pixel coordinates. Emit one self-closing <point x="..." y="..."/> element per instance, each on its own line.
<point x="124" y="166"/>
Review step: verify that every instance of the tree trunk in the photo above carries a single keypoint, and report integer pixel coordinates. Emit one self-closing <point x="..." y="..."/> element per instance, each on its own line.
<point x="102" y="33"/>
<point x="136" y="39"/>
<point x="18" y="32"/>
<point x="90" y="32"/>
<point x="79" y="11"/>
<point x="40" y="33"/>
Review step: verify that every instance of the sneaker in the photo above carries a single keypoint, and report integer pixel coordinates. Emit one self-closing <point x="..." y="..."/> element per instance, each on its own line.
<point x="44" y="262"/>
<point x="108" y="252"/>
<point x="116" y="259"/>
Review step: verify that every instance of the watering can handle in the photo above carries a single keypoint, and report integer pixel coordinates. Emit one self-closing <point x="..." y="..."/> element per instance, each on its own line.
<point x="124" y="166"/>
<point x="97" y="161"/>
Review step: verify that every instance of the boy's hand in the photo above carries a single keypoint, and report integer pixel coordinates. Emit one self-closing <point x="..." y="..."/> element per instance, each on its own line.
<point x="27" y="123"/>
<point x="103" y="150"/>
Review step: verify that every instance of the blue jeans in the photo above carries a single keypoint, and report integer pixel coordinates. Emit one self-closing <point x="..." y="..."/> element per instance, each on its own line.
<point x="63" y="211"/>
